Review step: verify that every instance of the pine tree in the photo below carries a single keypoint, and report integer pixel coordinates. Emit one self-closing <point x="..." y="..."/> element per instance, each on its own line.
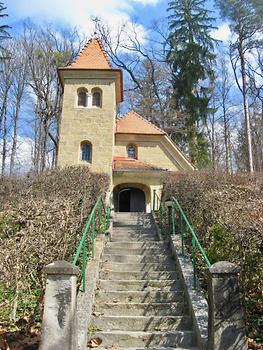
<point x="191" y="56"/>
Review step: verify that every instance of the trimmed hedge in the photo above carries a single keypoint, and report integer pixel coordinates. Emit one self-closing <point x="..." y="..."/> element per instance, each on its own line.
<point x="227" y="213"/>
<point x="41" y="220"/>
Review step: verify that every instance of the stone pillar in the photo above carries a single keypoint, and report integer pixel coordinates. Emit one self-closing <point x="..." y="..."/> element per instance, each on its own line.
<point x="226" y="329"/>
<point x="59" y="326"/>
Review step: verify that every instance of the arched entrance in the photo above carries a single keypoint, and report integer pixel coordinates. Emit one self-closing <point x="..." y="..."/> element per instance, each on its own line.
<point x="131" y="199"/>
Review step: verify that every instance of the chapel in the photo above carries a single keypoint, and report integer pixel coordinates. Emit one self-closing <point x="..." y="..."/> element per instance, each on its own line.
<point x="132" y="151"/>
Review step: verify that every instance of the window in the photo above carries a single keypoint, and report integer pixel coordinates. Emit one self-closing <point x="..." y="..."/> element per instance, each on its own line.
<point x="96" y="97"/>
<point x="82" y="98"/>
<point x="86" y="149"/>
<point x="132" y="151"/>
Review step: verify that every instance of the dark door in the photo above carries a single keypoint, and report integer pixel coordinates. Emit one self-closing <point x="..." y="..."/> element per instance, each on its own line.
<point x="137" y="200"/>
<point x="125" y="199"/>
<point x="131" y="200"/>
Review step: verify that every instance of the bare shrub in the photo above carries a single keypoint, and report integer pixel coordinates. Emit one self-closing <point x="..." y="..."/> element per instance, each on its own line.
<point x="41" y="220"/>
<point x="227" y="213"/>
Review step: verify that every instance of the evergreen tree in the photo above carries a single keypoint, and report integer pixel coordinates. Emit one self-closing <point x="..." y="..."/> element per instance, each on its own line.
<point x="192" y="56"/>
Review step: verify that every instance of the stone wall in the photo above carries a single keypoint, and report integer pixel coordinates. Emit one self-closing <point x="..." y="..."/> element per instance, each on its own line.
<point x="93" y="124"/>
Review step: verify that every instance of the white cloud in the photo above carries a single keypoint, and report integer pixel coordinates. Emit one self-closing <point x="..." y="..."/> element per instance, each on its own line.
<point x="146" y="2"/>
<point x="222" y="33"/>
<point x="23" y="159"/>
<point x="76" y="12"/>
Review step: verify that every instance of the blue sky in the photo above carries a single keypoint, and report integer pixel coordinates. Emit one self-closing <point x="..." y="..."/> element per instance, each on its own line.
<point x="78" y="13"/>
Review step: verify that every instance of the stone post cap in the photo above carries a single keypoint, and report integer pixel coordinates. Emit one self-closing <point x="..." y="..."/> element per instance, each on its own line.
<point x="224" y="267"/>
<point x="61" y="267"/>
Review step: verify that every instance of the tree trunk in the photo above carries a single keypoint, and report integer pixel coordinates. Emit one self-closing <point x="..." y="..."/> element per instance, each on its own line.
<point x="4" y="151"/>
<point x="246" y="110"/>
<point x="14" y="145"/>
<point x="226" y="134"/>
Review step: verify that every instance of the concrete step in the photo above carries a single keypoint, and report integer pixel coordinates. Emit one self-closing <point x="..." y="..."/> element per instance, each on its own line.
<point x="137" y="275"/>
<point x="140" y="348"/>
<point x="137" y="251"/>
<point x="136" y="245"/>
<point x="134" y="237"/>
<point x="149" y="267"/>
<point x="133" y="229"/>
<point x="137" y="258"/>
<point x="139" y="296"/>
<point x="133" y="223"/>
<point x="141" y="309"/>
<point x="139" y="285"/>
<point x="146" y="339"/>
<point x="141" y="323"/>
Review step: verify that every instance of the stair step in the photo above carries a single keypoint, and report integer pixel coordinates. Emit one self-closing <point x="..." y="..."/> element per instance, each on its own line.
<point x="166" y="339"/>
<point x="140" y="348"/>
<point x="136" y="245"/>
<point x="143" y="285"/>
<point x="141" y="323"/>
<point x="137" y="258"/>
<point x="139" y="296"/>
<point x="137" y="275"/>
<point x="116" y="266"/>
<point x="137" y="251"/>
<point x="134" y="237"/>
<point x="133" y="228"/>
<point x="141" y="309"/>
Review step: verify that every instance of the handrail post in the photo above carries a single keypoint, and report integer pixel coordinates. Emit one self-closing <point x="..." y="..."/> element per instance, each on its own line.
<point x="99" y="218"/>
<point x="84" y="265"/>
<point x="161" y="217"/>
<point x="93" y="236"/>
<point x="154" y="194"/>
<point x="194" y="261"/>
<point x="181" y="223"/>
<point x="173" y="223"/>
<point x="105" y="220"/>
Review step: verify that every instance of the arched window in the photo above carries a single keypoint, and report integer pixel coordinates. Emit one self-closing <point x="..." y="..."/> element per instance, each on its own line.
<point x="132" y="151"/>
<point x="86" y="151"/>
<point x="96" y="97"/>
<point x="82" y="97"/>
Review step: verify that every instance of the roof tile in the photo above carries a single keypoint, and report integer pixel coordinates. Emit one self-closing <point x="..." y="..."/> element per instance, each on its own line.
<point x="92" y="56"/>
<point x="123" y="163"/>
<point x="133" y="123"/>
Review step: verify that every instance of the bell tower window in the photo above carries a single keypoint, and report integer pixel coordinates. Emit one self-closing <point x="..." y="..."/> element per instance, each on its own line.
<point x="86" y="151"/>
<point x="96" y="97"/>
<point x="82" y="97"/>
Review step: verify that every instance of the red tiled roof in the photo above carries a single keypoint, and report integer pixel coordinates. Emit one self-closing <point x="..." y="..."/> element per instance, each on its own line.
<point x="92" y="56"/>
<point x="123" y="163"/>
<point x="133" y="123"/>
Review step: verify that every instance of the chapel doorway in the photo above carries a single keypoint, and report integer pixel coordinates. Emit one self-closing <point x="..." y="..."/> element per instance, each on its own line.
<point x="131" y="199"/>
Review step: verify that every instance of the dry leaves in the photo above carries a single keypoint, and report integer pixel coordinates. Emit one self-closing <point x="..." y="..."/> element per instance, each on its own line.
<point x="94" y="342"/>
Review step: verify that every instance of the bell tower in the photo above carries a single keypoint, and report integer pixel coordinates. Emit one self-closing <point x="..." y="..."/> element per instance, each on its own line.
<point x="92" y="90"/>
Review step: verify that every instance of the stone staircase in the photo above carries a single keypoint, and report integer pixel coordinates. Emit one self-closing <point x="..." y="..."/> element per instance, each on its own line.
<point x="139" y="302"/>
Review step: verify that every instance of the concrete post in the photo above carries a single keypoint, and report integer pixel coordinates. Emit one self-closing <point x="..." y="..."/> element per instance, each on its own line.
<point x="59" y="326"/>
<point x="226" y="329"/>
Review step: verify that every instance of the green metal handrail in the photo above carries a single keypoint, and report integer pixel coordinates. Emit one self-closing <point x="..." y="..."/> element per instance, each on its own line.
<point x="99" y="209"/>
<point x="183" y="221"/>
<point x="160" y="209"/>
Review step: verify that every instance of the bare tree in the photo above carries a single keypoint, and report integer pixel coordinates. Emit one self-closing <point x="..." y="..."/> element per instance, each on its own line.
<point x="46" y="50"/>
<point x="18" y="90"/>
<point x="6" y="80"/>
